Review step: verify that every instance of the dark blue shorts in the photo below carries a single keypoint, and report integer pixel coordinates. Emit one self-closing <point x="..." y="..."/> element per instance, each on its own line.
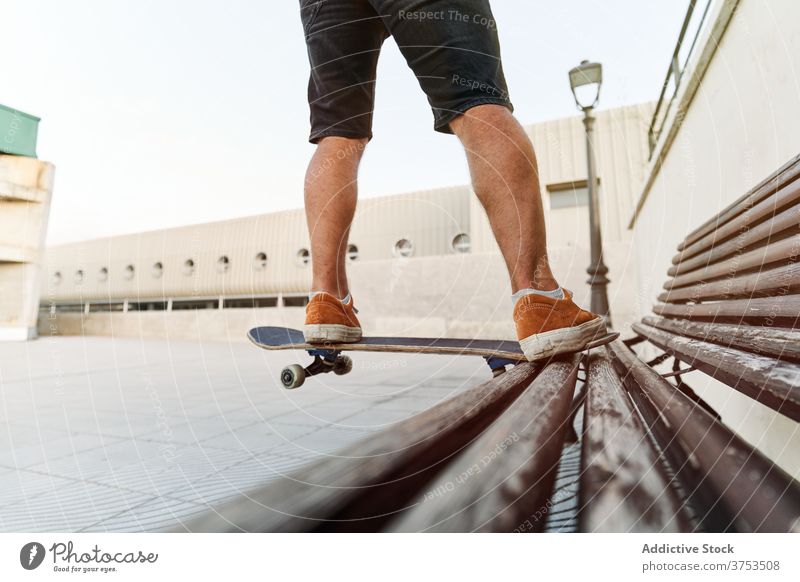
<point x="451" y="46"/>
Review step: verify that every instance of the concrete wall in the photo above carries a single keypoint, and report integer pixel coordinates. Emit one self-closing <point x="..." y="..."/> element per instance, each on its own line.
<point x="26" y="186"/>
<point x="741" y="125"/>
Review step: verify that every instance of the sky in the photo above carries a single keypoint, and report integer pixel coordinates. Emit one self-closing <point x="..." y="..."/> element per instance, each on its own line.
<point x="160" y="113"/>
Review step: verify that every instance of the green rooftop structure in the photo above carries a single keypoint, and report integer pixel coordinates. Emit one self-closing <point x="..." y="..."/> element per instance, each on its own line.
<point x="18" y="132"/>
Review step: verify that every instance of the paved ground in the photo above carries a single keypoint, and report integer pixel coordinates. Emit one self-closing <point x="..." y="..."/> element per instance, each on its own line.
<point x="101" y="434"/>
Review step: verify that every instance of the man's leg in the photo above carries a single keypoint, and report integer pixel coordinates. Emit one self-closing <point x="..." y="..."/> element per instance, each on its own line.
<point x="330" y="197"/>
<point x="455" y="53"/>
<point x="344" y="39"/>
<point x="505" y="177"/>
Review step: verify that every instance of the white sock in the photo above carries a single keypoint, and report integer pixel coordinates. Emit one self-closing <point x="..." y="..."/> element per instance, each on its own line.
<point x="346" y="299"/>
<point x="557" y="293"/>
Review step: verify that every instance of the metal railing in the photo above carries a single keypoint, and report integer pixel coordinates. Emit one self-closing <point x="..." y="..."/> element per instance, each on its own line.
<point x="693" y="26"/>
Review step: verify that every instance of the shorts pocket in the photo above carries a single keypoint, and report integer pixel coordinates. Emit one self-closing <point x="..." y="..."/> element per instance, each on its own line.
<point x="309" y="9"/>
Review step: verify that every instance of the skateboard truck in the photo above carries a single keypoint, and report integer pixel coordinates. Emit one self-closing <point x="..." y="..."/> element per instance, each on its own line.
<point x="498" y="364"/>
<point x="325" y="361"/>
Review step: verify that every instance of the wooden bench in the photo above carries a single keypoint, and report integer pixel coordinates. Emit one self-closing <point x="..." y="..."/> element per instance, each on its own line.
<point x="732" y="305"/>
<point x="653" y="455"/>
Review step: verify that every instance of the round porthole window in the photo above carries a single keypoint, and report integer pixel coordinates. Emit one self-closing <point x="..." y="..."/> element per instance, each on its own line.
<point x="102" y="275"/>
<point x="130" y="271"/>
<point x="303" y="257"/>
<point x="403" y="248"/>
<point x="57" y="278"/>
<point x="188" y="267"/>
<point x="78" y="277"/>
<point x="461" y="243"/>
<point x="260" y="262"/>
<point x="158" y="270"/>
<point x="223" y="264"/>
<point x="352" y="252"/>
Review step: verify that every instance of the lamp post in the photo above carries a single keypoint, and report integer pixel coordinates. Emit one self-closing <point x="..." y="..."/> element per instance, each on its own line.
<point x="585" y="81"/>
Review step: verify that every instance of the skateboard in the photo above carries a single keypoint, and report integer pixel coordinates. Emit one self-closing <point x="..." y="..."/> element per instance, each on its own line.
<point x="328" y="357"/>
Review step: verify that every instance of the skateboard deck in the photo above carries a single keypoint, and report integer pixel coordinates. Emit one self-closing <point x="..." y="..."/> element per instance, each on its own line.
<point x="328" y="356"/>
<point x="281" y="338"/>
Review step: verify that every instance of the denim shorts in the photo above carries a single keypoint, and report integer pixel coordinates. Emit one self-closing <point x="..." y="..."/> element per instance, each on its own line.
<point x="451" y="46"/>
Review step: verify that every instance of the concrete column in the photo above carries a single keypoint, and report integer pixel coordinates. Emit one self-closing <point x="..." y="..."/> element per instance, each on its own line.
<point x="26" y="186"/>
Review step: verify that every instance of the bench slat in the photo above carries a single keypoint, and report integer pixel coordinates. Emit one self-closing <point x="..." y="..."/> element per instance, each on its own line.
<point x="759" y="310"/>
<point x="505" y="478"/>
<point x="786" y="174"/>
<point x="773" y="383"/>
<point x="768" y="282"/>
<point x="788" y="221"/>
<point x="702" y="502"/>
<point x="373" y="476"/>
<point x="758" y="496"/>
<point x="623" y="487"/>
<point x="778" y="342"/>
<point x="787" y="196"/>
<point x="780" y="251"/>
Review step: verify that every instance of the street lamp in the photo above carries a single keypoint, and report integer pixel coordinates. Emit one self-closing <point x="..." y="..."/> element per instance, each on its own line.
<point x="585" y="81"/>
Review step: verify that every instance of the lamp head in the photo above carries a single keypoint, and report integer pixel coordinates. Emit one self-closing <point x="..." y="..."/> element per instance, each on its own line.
<point x="585" y="81"/>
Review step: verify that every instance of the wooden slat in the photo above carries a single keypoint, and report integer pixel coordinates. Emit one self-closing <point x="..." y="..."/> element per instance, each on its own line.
<point x="505" y="478"/>
<point x="768" y="311"/>
<point x="787" y="249"/>
<point x="777" y="342"/>
<point x="772" y="382"/>
<point x="768" y="282"/>
<point x="786" y="174"/>
<point x="788" y="221"/>
<point x="623" y="485"/>
<point x="755" y="493"/>
<point x="372" y="477"/>
<point x="751" y="216"/>
<point x="701" y="500"/>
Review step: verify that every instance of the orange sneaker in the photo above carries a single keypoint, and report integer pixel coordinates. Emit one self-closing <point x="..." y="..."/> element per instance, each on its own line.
<point x="546" y="327"/>
<point x="330" y="320"/>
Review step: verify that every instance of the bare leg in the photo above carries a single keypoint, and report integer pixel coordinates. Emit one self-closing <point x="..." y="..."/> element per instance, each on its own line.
<point x="331" y="191"/>
<point x="505" y="177"/>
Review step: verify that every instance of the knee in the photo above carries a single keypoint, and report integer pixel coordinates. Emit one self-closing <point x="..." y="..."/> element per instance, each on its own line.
<point x="343" y="148"/>
<point x="483" y="118"/>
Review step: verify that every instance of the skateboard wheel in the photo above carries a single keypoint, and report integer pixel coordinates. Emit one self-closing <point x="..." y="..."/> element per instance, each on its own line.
<point x="343" y="365"/>
<point x="293" y="376"/>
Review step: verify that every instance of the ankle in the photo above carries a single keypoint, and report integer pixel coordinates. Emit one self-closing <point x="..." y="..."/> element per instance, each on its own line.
<point x="557" y="293"/>
<point x="538" y="284"/>
<point x="343" y="296"/>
